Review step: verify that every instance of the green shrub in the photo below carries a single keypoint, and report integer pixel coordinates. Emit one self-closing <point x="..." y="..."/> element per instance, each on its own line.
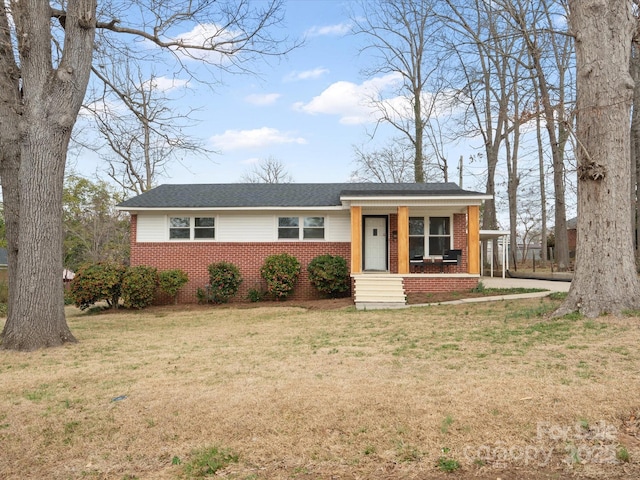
<point x="68" y="297"/>
<point x="329" y="275"/>
<point x="280" y="272"/>
<point x="139" y="286"/>
<point x="95" y="282"/>
<point x="224" y="282"/>
<point x="171" y="281"/>
<point x="255" y="295"/>
<point x="4" y="291"/>
<point x="202" y="294"/>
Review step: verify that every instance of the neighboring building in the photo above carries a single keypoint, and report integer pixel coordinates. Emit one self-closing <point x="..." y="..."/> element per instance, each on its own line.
<point x="572" y="235"/>
<point x="384" y="231"/>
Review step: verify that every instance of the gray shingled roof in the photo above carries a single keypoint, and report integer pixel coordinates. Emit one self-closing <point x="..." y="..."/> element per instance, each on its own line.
<point x="230" y="195"/>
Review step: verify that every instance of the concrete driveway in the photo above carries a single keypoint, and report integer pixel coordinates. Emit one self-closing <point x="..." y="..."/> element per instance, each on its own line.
<point x="499" y="282"/>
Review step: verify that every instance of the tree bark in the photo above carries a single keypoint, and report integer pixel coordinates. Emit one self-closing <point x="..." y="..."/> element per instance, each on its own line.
<point x="605" y="279"/>
<point x="634" y="68"/>
<point x="49" y="105"/>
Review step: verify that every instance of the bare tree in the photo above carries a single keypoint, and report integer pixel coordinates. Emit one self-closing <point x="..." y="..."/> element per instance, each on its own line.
<point x="94" y="230"/>
<point x="142" y="129"/>
<point x="45" y="63"/>
<point x="392" y="163"/>
<point x="482" y="48"/>
<point x="528" y="231"/>
<point x="531" y="19"/>
<point x="269" y="170"/>
<point x="400" y="33"/>
<point x="605" y="278"/>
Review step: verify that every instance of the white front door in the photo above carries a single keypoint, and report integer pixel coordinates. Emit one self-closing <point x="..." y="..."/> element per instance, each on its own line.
<point x="375" y="243"/>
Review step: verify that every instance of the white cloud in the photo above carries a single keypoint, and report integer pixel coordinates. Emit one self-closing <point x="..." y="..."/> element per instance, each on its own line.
<point x="306" y="74"/>
<point x="262" y="99"/>
<point x="256" y="138"/>
<point x="219" y="43"/>
<point x="166" y="84"/>
<point x="329" y="30"/>
<point x="350" y="101"/>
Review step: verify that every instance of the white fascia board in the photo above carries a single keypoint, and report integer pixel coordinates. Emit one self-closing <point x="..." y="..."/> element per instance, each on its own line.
<point x="226" y="209"/>
<point x="425" y="198"/>
<point x="456" y="201"/>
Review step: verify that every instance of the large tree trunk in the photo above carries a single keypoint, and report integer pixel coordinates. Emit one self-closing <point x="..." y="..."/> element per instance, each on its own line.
<point x="10" y="110"/>
<point x="634" y="68"/>
<point x="50" y="101"/>
<point x="33" y="322"/>
<point x="605" y="279"/>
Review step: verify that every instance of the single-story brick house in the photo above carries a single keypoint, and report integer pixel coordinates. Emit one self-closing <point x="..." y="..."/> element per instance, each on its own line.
<point x="393" y="236"/>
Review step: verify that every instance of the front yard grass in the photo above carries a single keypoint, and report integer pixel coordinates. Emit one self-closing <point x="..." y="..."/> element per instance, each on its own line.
<point x="481" y="390"/>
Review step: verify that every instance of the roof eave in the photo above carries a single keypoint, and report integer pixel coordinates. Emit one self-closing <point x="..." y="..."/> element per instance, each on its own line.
<point x="229" y="209"/>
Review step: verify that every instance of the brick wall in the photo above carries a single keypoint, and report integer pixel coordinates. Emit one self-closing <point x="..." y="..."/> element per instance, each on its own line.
<point x="393" y="243"/>
<point x="439" y="284"/>
<point x="195" y="257"/>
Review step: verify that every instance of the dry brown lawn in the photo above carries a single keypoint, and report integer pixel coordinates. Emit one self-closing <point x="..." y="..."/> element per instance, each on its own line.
<point x="298" y="393"/>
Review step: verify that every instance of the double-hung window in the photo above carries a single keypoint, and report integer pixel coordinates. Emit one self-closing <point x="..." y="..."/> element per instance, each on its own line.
<point x="416" y="238"/>
<point x="301" y="228"/>
<point x="192" y="228"/>
<point x="433" y="242"/>
<point x="439" y="235"/>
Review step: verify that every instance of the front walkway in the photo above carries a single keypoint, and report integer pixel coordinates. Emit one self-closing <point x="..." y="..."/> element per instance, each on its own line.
<point x="553" y="285"/>
<point x="497" y="282"/>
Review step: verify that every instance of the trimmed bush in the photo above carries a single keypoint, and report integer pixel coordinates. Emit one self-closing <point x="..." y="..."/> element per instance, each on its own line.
<point x="329" y="275"/>
<point x="95" y="282"/>
<point x="171" y="281"/>
<point x="224" y="282"/>
<point x="281" y="273"/>
<point x="139" y="286"/>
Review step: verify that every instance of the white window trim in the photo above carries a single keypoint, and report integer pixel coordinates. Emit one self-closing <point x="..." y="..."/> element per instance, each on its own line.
<point x="300" y="228"/>
<point x="427" y="235"/>
<point x="192" y="225"/>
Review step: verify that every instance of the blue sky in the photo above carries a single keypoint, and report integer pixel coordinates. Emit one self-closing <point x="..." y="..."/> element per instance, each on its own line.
<point x="302" y="110"/>
<point x="306" y="110"/>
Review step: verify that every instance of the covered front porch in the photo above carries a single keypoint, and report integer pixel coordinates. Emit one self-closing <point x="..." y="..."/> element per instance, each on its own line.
<point x="405" y="245"/>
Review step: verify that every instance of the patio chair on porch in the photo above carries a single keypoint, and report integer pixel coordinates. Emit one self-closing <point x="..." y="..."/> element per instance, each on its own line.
<point x="450" y="257"/>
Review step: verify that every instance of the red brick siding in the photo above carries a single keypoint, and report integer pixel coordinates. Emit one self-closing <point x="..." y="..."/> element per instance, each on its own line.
<point x="195" y="257"/>
<point x="439" y="284"/>
<point x="393" y="243"/>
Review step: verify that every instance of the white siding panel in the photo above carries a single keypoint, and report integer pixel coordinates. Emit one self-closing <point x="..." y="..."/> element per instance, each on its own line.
<point x="152" y="228"/>
<point x="244" y="226"/>
<point x="241" y="227"/>
<point x="338" y="227"/>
